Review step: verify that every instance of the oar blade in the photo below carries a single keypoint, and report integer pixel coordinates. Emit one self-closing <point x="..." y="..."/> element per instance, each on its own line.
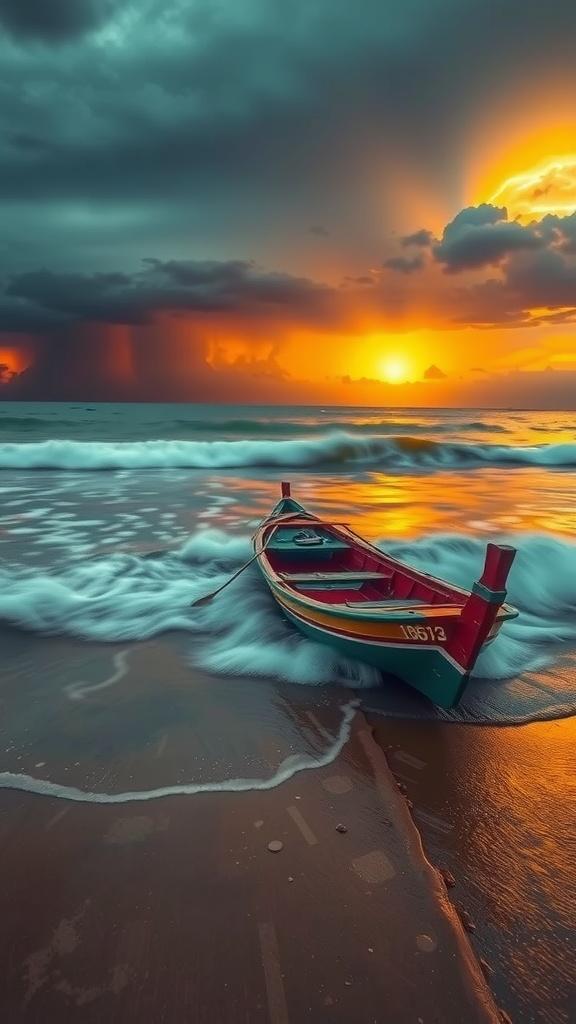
<point x="202" y="600"/>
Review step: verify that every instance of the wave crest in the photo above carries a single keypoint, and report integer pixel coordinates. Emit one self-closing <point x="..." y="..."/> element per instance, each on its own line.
<point x="334" y="449"/>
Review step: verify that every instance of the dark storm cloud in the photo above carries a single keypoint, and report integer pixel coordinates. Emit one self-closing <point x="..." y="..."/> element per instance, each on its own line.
<point x="404" y="264"/>
<point x="536" y="264"/>
<point x="422" y="238"/>
<point x="192" y="103"/>
<point x="42" y="298"/>
<point x="53" y="21"/>
<point x="198" y="131"/>
<point x="481" y="236"/>
<point x="532" y="280"/>
<point x="532" y="272"/>
<point x="535" y="269"/>
<point x="561" y="231"/>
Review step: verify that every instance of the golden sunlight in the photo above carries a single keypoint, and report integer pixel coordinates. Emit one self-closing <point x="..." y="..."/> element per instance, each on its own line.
<point x="549" y="187"/>
<point x="393" y="369"/>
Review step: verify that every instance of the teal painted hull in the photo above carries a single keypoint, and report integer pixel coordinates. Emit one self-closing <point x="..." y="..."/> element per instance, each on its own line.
<point x="425" y="669"/>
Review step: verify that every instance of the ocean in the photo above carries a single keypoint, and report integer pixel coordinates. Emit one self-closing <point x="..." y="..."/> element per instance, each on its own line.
<point x="114" y="518"/>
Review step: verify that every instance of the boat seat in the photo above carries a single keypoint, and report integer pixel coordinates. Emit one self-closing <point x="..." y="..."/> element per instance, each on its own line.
<point x="333" y="577"/>
<point x="407" y="602"/>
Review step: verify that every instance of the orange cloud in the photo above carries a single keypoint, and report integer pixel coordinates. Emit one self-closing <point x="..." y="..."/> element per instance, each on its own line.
<point x="547" y="188"/>
<point x="14" y="359"/>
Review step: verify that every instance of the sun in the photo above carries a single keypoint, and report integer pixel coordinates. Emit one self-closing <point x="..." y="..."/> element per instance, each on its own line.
<point x="393" y="369"/>
<point x="548" y="187"/>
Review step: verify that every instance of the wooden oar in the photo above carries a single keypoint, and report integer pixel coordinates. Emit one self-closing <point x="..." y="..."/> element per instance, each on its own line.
<point x="208" y="597"/>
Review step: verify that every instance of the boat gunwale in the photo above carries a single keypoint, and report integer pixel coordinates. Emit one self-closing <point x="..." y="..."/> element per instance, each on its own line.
<point x="397" y="615"/>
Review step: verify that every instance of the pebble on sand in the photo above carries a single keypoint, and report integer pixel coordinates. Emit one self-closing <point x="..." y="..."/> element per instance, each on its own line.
<point x="341" y="828"/>
<point x="275" y="846"/>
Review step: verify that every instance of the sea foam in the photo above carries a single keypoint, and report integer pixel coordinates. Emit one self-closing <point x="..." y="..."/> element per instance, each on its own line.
<point x="241" y="632"/>
<point x="335" y="448"/>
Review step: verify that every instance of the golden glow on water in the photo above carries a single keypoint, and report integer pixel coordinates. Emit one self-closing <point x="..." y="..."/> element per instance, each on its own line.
<point x="401" y="506"/>
<point x="480" y="499"/>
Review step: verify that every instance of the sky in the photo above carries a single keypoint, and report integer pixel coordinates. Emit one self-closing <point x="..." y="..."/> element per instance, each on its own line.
<point x="255" y="201"/>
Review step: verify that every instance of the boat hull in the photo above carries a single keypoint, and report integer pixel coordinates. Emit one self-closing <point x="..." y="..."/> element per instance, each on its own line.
<point x="430" y="670"/>
<point x="366" y="604"/>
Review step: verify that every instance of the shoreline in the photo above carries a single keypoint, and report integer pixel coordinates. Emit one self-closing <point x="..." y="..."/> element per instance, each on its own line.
<point x="398" y="806"/>
<point x="84" y="878"/>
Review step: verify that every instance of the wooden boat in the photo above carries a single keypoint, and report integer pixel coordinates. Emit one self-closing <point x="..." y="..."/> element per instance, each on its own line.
<point x="340" y="590"/>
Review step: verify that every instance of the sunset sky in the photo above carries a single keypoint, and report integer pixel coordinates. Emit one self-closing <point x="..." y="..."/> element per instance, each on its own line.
<point x="314" y="201"/>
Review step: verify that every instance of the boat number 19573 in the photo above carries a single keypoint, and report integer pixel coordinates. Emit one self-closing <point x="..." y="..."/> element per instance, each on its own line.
<point x="424" y="633"/>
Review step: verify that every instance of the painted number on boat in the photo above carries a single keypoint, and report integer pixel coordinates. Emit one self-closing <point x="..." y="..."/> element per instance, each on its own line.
<point x="424" y="633"/>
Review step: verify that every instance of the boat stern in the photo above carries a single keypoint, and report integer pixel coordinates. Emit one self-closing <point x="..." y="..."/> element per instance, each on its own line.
<point x="485" y="610"/>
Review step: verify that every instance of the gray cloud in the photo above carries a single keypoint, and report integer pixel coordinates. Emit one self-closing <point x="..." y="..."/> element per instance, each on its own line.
<point x="422" y="238"/>
<point x="213" y="134"/>
<point x="404" y="264"/>
<point x="217" y="127"/>
<point x="53" y="21"/>
<point x="561" y="231"/>
<point x="41" y="299"/>
<point x="434" y="373"/>
<point x="481" y="236"/>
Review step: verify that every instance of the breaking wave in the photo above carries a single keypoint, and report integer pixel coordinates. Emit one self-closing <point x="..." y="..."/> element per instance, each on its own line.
<point x="528" y="672"/>
<point x="337" y="448"/>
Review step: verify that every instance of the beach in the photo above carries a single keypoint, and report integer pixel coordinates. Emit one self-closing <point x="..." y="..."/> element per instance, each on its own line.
<point x="151" y="752"/>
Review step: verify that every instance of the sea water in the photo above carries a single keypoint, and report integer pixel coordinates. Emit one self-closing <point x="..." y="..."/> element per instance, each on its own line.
<point x="85" y="491"/>
<point x="114" y="518"/>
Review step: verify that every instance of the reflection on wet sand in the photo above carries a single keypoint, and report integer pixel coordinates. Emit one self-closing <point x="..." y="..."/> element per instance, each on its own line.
<point x="496" y="806"/>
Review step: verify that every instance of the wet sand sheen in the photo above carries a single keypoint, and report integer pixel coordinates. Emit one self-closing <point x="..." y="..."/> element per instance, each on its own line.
<point x="133" y="915"/>
<point x="496" y="806"/>
<point x="162" y="725"/>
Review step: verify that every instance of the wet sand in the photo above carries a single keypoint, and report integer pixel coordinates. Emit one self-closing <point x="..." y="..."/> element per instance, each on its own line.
<point x="172" y="908"/>
<point x="497" y="807"/>
<point x="176" y="910"/>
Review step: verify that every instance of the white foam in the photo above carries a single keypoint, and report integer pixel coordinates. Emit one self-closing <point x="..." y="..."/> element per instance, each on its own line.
<point x="329" y="449"/>
<point x="118" y="597"/>
<point x="77" y="691"/>
<point x="290" y="767"/>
